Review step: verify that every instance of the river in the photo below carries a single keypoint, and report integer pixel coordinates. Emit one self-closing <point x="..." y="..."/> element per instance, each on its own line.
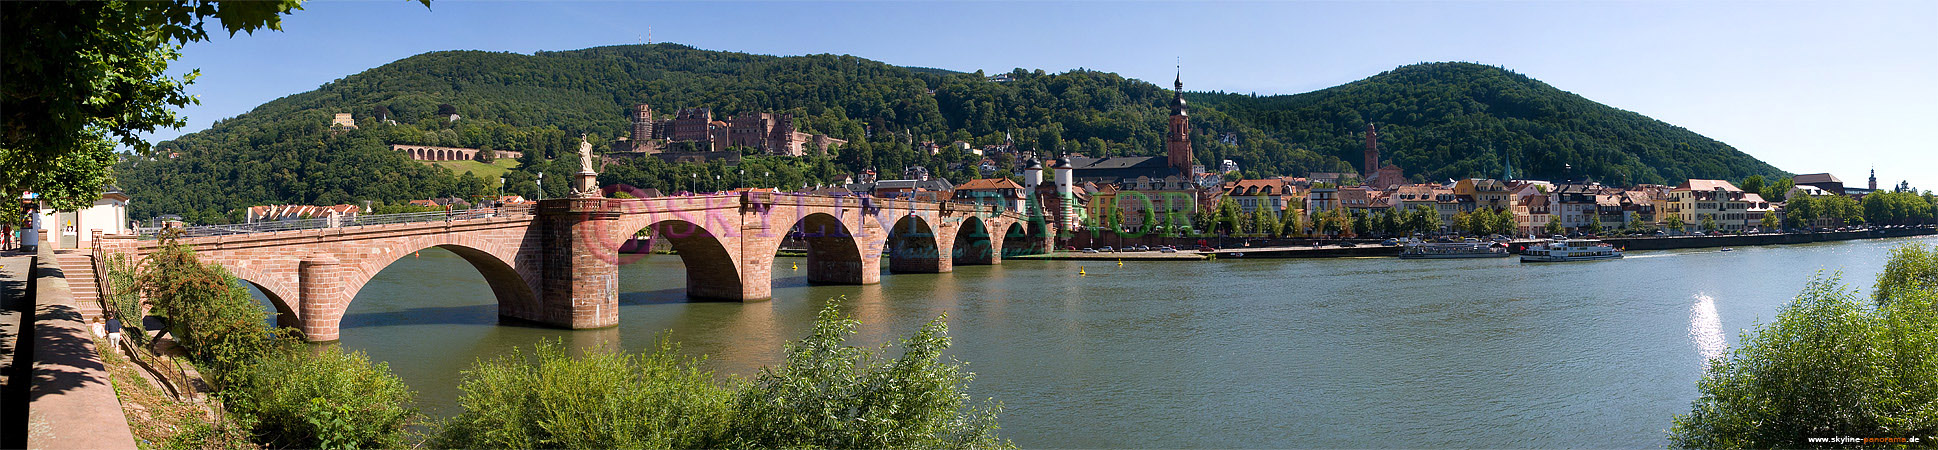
<point x="1374" y="352"/>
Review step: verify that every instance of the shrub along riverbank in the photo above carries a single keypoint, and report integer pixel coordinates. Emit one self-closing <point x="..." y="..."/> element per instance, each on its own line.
<point x="1831" y="368"/>
<point x="279" y="392"/>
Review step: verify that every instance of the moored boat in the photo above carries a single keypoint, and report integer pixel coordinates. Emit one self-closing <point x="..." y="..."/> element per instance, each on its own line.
<point x="1453" y="250"/>
<point x="1570" y="250"/>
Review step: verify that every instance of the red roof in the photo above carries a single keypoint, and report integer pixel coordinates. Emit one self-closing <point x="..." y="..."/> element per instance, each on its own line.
<point x="988" y="183"/>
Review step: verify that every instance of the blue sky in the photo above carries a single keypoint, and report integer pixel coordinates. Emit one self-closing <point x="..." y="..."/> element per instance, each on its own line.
<point x="1807" y="86"/>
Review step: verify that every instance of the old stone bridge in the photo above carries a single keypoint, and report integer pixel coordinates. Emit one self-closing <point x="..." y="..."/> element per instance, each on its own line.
<point x="557" y="264"/>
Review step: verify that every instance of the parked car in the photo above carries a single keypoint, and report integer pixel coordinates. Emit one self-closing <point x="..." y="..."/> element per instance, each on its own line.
<point x="1390" y="242"/>
<point x="1089" y="250"/>
<point x="1106" y="249"/>
<point x="1347" y="244"/>
<point x="1143" y="248"/>
<point x="1166" y="249"/>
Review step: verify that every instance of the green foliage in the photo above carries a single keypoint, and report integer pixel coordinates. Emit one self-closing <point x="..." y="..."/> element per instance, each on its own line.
<point x="1827" y="367"/>
<point x="298" y="398"/>
<point x="212" y="317"/>
<point x="539" y="104"/>
<point x="81" y="77"/>
<point x="284" y="394"/>
<point x="1911" y="268"/>
<point x="1674" y="222"/>
<point x="1463" y="120"/>
<point x="827" y="395"/>
<point x="1709" y="223"/>
<point x="831" y="395"/>
<point x="1801" y="212"/>
<point x="1553" y="228"/>
<point x="1423" y="219"/>
<point x="124" y="296"/>
<point x="1896" y="208"/>
<point x="603" y="399"/>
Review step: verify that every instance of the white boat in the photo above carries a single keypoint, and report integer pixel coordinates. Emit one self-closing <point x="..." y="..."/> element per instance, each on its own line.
<point x="1570" y="250"/>
<point x="1453" y="250"/>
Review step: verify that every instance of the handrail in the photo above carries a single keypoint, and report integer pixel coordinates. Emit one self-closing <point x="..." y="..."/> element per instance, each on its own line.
<point x="346" y="221"/>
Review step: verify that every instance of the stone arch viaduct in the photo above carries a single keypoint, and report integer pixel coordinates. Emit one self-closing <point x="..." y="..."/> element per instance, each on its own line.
<point x="558" y="263"/>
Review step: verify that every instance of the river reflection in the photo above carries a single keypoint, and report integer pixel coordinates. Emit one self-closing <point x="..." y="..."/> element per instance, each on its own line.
<point x="1250" y="353"/>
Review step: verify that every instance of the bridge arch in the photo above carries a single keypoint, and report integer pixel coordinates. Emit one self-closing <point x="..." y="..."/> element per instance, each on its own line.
<point x="280" y="297"/>
<point x="913" y="247"/>
<point x="833" y="253"/>
<point x="1017" y="239"/>
<point x="711" y="268"/>
<point x="512" y="289"/>
<point x="973" y="243"/>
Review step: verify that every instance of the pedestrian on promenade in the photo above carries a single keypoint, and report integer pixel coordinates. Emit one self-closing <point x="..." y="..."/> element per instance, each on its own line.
<point x="30" y="231"/>
<point x="6" y="236"/>
<point x="114" y="330"/>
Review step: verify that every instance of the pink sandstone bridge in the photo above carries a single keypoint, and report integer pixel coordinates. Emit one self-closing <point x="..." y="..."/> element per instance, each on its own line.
<point x="557" y="264"/>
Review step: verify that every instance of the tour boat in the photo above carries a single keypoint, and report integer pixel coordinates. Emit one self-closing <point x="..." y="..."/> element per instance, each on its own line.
<point x="1452" y="250"/>
<point x="1570" y="250"/>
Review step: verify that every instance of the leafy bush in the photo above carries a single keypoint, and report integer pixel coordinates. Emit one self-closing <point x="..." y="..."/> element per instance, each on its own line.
<point x="296" y="398"/>
<point x="828" y="395"/>
<point x="831" y="395"/>
<point x="213" y="318"/>
<point x="1828" y="367"/>
<point x="124" y="286"/>
<point x="1910" y="268"/>
<point x="284" y="394"/>
<point x="603" y="399"/>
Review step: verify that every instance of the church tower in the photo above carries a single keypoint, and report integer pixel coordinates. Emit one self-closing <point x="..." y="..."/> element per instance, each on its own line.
<point x="1371" y="169"/>
<point x="1177" y="143"/>
<point x="1873" y="179"/>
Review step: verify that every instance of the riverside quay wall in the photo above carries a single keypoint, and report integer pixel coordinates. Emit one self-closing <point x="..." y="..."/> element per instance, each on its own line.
<point x="1667" y="243"/>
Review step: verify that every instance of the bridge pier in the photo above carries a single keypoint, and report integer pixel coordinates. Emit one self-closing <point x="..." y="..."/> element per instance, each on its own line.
<point x="323" y="296"/>
<point x="579" y="277"/>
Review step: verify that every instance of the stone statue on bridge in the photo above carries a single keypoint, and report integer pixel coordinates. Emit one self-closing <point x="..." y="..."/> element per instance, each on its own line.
<point x="587" y="183"/>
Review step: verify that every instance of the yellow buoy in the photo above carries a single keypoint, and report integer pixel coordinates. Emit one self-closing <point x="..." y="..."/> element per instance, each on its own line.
<point x="795" y="266"/>
<point x="1120" y="263"/>
<point x="1080" y="271"/>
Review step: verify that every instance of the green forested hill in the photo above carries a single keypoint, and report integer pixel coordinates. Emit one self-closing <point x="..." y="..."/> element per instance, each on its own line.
<point x="1456" y="120"/>
<point x="1439" y="120"/>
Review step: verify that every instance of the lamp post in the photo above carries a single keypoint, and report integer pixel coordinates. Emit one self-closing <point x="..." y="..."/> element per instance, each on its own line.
<point x="541" y="185"/>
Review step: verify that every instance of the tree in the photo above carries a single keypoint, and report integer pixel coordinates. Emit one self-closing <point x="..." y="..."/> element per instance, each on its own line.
<point x="81" y="77"/>
<point x="1755" y="183"/>
<point x="487" y="155"/>
<point x="1829" y="366"/>
<point x="1594" y="224"/>
<point x="1463" y="222"/>
<point x="828" y="394"/>
<point x="1709" y="223"/>
<point x="1553" y="228"/>
<point x="1801" y="212"/>
<point x="1675" y="223"/>
<point x="1294" y="223"/>
<point x="1423" y="219"/>
<point x="1265" y="222"/>
<point x="1769" y="222"/>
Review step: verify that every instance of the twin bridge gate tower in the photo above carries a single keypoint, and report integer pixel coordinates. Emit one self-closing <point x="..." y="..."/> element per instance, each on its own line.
<point x="558" y="264"/>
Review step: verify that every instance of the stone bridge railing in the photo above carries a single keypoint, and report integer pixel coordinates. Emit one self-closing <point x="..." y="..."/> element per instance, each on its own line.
<point x="353" y="220"/>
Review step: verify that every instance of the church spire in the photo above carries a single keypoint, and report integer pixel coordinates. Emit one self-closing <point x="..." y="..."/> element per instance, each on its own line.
<point x="1177" y="95"/>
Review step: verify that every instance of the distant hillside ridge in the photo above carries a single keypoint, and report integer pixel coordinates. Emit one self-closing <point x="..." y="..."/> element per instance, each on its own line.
<point x="1458" y="120"/>
<point x="1441" y="120"/>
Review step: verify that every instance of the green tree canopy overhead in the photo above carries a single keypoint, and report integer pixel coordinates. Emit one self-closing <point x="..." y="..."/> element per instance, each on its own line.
<point x="81" y="77"/>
